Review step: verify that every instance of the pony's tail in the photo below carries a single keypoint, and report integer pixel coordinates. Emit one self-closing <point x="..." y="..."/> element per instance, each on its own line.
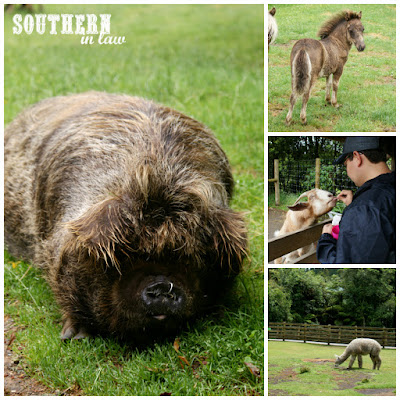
<point x="301" y="72"/>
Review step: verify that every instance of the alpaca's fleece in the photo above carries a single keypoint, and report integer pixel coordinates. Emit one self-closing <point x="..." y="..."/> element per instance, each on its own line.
<point x="125" y="205"/>
<point x="358" y="348"/>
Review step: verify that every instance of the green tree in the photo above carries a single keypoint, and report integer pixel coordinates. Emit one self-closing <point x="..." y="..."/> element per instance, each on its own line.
<point x="279" y="303"/>
<point x="369" y="296"/>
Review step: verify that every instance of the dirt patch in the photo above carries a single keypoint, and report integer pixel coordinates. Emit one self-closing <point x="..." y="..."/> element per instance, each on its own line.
<point x="276" y="109"/>
<point x="16" y="382"/>
<point x="349" y="379"/>
<point x="287" y="375"/>
<point x="277" y="392"/>
<point x="377" y="392"/>
<point x="320" y="360"/>
<point x="275" y="220"/>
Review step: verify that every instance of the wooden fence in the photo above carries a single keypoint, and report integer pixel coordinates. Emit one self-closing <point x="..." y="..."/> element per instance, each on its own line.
<point x="284" y="244"/>
<point x="330" y="333"/>
<point x="275" y="179"/>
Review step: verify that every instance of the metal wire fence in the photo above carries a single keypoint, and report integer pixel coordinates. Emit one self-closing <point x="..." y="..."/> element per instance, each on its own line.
<point x="299" y="176"/>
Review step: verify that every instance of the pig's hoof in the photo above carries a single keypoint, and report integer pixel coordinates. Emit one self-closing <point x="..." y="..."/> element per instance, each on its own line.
<point x="72" y="331"/>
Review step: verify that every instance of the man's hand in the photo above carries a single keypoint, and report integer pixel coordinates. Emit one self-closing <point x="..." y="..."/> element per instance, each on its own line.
<point x="327" y="228"/>
<point x="346" y="196"/>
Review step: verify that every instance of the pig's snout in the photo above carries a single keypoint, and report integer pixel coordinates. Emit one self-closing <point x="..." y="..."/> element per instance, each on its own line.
<point x="162" y="298"/>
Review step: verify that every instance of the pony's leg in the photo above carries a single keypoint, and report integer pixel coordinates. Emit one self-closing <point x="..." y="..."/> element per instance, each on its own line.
<point x="328" y="88"/>
<point x="352" y="359"/>
<point x="359" y="357"/>
<point x="293" y="99"/>
<point x="336" y="79"/>
<point x="306" y="96"/>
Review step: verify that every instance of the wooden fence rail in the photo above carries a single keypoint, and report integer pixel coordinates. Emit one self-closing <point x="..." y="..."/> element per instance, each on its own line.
<point x="284" y="244"/>
<point x="330" y="333"/>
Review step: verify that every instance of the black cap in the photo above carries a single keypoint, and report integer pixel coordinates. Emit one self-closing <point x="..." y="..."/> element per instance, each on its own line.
<point x="357" y="143"/>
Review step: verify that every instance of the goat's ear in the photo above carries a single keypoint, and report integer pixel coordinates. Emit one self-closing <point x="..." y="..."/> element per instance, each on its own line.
<point x="298" y="206"/>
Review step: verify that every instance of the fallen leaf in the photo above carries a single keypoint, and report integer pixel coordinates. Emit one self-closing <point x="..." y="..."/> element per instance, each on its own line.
<point x="182" y="358"/>
<point x="176" y="345"/>
<point x="253" y="369"/>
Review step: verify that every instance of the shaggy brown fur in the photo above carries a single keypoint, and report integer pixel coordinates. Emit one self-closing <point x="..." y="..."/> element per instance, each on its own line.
<point x="329" y="26"/>
<point x="124" y="204"/>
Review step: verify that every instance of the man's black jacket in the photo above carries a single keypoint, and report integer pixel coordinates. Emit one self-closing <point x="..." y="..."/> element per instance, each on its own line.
<point x="368" y="227"/>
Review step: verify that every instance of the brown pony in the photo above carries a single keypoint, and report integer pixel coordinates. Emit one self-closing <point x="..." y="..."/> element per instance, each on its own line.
<point x="311" y="59"/>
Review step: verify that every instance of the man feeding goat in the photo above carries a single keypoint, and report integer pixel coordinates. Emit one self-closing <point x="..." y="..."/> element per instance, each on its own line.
<point x="303" y="214"/>
<point x="368" y="225"/>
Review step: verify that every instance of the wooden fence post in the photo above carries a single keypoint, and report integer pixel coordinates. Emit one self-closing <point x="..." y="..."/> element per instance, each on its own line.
<point x="317" y="172"/>
<point x="329" y="334"/>
<point x="276" y="183"/>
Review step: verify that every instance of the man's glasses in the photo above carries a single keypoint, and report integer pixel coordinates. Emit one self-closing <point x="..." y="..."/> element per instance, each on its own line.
<point x="349" y="155"/>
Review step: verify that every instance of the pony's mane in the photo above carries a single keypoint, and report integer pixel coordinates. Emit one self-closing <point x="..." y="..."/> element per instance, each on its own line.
<point x="328" y="27"/>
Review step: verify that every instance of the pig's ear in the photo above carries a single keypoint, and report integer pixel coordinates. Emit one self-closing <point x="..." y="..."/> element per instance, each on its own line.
<point x="230" y="239"/>
<point x="100" y="229"/>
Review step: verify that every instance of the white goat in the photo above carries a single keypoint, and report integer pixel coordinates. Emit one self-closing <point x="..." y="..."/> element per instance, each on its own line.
<point x="272" y="26"/>
<point x="361" y="347"/>
<point x="304" y="214"/>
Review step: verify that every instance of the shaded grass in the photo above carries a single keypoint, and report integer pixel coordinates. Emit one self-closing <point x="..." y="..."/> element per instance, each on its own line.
<point x="287" y="358"/>
<point x="206" y="61"/>
<point x="367" y="90"/>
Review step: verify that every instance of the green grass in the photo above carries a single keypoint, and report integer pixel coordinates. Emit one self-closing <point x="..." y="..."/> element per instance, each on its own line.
<point x="367" y="89"/>
<point x="206" y="61"/>
<point x="288" y="363"/>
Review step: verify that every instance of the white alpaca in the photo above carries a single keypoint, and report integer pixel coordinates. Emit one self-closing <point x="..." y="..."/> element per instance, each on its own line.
<point x="359" y="348"/>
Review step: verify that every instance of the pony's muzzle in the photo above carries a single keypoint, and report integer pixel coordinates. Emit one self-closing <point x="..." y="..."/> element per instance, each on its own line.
<point x="361" y="46"/>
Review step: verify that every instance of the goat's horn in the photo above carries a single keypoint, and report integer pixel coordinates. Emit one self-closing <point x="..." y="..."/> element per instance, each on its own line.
<point x="301" y="196"/>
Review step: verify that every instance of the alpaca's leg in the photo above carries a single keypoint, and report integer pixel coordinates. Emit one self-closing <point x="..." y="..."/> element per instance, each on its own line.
<point x="328" y="88"/>
<point x="359" y="357"/>
<point x="335" y="83"/>
<point x="378" y="361"/>
<point x="352" y="359"/>
<point x="373" y="358"/>
<point x="293" y="99"/>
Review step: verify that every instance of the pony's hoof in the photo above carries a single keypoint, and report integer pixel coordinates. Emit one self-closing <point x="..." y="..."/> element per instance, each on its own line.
<point x="288" y="122"/>
<point x="304" y="121"/>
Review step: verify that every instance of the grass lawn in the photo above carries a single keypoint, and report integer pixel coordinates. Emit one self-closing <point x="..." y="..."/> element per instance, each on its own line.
<point x="206" y="61"/>
<point x="304" y="369"/>
<point x="367" y="89"/>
